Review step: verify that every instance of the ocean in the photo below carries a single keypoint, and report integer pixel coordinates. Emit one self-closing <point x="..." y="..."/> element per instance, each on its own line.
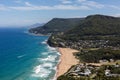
<point x="26" y="57"/>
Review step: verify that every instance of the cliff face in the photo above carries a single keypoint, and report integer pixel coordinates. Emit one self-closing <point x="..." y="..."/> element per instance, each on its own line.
<point x="57" y="25"/>
<point x="94" y="31"/>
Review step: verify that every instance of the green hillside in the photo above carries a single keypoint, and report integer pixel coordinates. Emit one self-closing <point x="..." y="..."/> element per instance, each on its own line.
<point x="98" y="25"/>
<point x="56" y="25"/>
<point x="93" y="31"/>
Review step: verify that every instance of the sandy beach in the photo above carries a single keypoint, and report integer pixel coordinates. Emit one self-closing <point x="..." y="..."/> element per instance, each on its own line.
<point x="67" y="60"/>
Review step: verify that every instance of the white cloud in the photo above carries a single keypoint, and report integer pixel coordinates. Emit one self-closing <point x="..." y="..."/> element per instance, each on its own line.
<point x="114" y="7"/>
<point x="17" y="1"/>
<point x="81" y="0"/>
<point x="71" y="7"/>
<point x="91" y="3"/>
<point x="56" y="7"/>
<point x="79" y="5"/>
<point x="94" y="4"/>
<point x="2" y="7"/>
<point x="66" y="1"/>
<point x="28" y="4"/>
<point x="116" y="15"/>
<point x="31" y="8"/>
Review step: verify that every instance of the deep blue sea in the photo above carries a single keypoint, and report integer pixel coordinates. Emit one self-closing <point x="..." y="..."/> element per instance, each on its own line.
<point x="26" y="57"/>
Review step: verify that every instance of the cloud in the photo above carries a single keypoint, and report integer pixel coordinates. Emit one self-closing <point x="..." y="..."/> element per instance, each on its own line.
<point x="66" y="1"/>
<point x="2" y="7"/>
<point x="91" y="3"/>
<point x="28" y="4"/>
<point x="67" y="5"/>
<point x="71" y="7"/>
<point x="55" y="7"/>
<point x="17" y="1"/>
<point x="25" y="3"/>
<point x="94" y="4"/>
<point x="116" y="15"/>
<point x="114" y="7"/>
<point x="81" y="0"/>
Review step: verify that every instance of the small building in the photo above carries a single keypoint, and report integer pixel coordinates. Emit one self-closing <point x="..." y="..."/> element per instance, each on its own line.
<point x="117" y="65"/>
<point x="87" y="72"/>
<point x="111" y="60"/>
<point x="107" y="72"/>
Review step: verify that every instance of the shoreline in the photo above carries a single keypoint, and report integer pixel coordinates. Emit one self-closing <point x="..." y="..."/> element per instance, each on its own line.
<point x="34" y="34"/>
<point x="67" y="59"/>
<point x="56" y="69"/>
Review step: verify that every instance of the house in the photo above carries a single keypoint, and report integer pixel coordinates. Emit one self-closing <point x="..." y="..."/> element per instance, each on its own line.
<point x="107" y="72"/>
<point x="117" y="65"/>
<point x="86" y="72"/>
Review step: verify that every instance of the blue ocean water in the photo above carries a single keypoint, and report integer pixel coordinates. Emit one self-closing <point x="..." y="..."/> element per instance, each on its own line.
<point x="26" y="57"/>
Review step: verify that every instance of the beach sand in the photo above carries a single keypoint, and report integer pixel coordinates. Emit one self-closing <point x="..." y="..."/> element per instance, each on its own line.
<point x="67" y="60"/>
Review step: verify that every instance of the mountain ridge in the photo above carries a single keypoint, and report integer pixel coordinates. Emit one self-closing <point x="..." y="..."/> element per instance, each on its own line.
<point x="95" y="30"/>
<point x="56" y="25"/>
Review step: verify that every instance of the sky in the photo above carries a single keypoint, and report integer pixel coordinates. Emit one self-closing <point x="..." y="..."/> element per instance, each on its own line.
<point x="28" y="12"/>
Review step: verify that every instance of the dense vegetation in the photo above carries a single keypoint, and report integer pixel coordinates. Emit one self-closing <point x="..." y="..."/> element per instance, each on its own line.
<point x="94" y="27"/>
<point x="100" y="54"/>
<point x="57" y="25"/>
<point x="98" y="25"/>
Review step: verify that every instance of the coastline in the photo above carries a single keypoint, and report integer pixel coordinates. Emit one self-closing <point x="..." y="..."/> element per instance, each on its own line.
<point x="67" y="59"/>
<point x="34" y="34"/>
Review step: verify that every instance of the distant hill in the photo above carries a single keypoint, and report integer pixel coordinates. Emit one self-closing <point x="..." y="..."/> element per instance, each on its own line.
<point x="36" y="25"/>
<point x="56" y="25"/>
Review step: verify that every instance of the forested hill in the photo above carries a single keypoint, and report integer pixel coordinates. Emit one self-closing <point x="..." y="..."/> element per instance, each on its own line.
<point x="98" y="25"/>
<point x="57" y="25"/>
<point x="96" y="30"/>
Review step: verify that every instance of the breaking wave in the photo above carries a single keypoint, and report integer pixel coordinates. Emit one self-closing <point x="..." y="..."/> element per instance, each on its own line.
<point x="47" y="64"/>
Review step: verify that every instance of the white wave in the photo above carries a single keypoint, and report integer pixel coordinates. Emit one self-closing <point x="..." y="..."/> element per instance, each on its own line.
<point x="50" y="52"/>
<point x="37" y="69"/>
<point x="58" y="53"/>
<point x="42" y="74"/>
<point x="45" y="69"/>
<point x="45" y="53"/>
<point x="50" y="58"/>
<point x="41" y="71"/>
<point x="48" y="65"/>
<point x="20" y="56"/>
<point x="44" y="42"/>
<point x="51" y="48"/>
